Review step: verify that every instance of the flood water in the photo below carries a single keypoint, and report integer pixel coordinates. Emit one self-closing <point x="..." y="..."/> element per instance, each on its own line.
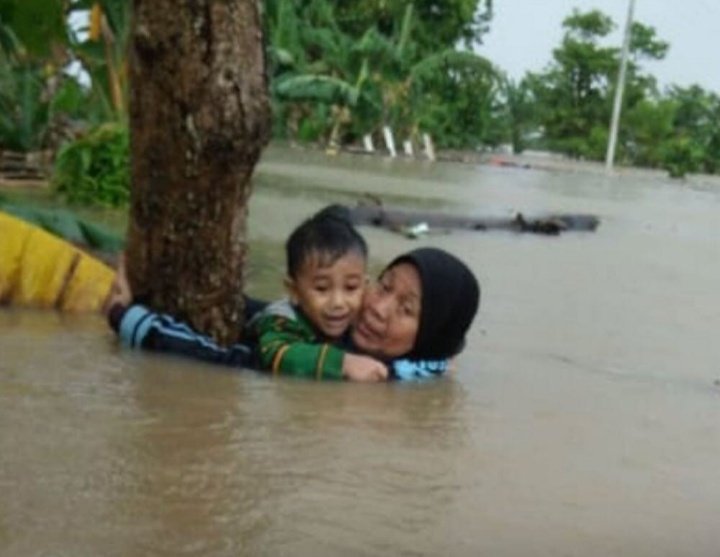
<point x="583" y="419"/>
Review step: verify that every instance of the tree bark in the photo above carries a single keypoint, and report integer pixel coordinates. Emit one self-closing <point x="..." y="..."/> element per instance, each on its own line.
<point x="199" y="117"/>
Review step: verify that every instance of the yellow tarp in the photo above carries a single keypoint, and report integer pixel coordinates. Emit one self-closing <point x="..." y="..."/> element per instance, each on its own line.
<point x="38" y="269"/>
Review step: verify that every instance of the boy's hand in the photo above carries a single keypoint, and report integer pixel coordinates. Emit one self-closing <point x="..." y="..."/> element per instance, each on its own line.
<point x="363" y="368"/>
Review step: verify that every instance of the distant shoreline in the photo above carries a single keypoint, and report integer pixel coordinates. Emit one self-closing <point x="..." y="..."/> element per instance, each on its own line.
<point x="535" y="160"/>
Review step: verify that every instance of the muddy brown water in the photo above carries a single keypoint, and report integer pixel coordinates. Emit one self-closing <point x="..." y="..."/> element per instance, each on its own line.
<point x="583" y="419"/>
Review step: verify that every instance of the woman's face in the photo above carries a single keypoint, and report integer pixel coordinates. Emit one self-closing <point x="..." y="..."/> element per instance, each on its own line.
<point x="389" y="318"/>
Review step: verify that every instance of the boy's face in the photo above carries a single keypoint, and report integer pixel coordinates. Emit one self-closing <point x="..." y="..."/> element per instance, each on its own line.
<point x="329" y="295"/>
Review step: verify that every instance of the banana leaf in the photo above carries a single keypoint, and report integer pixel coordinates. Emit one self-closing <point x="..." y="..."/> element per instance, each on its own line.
<point x="68" y="226"/>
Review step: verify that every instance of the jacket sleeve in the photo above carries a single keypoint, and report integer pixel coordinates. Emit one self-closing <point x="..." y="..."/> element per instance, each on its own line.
<point x="286" y="347"/>
<point x="408" y="370"/>
<point x="140" y="328"/>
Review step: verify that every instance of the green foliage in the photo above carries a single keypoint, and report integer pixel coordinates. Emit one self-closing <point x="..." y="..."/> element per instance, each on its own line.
<point x="37" y="109"/>
<point x="70" y="100"/>
<point x="353" y="67"/>
<point x="455" y="96"/>
<point x="517" y="117"/>
<point x="23" y="110"/>
<point x="678" y="130"/>
<point x="95" y="169"/>
<point x="37" y="25"/>
<point x="645" y="44"/>
<point x="696" y="125"/>
<point x="10" y="45"/>
<point x="104" y="58"/>
<point x="648" y="126"/>
<point x="40" y="106"/>
<point x="320" y="88"/>
<point x="587" y="27"/>
<point x="343" y="69"/>
<point x="574" y="96"/>
<point x="440" y="25"/>
<point x="67" y="226"/>
<point x="681" y="155"/>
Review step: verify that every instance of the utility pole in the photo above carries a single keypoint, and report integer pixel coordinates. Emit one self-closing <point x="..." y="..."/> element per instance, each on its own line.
<point x="619" y="89"/>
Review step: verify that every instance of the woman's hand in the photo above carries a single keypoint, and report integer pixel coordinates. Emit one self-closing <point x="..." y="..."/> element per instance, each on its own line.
<point x="120" y="292"/>
<point x="364" y="369"/>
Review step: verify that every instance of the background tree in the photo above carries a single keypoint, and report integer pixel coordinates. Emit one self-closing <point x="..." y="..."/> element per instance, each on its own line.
<point x="694" y="144"/>
<point x="32" y="51"/>
<point x="317" y="72"/>
<point x="517" y="118"/>
<point x="440" y="25"/>
<point x="575" y="93"/>
<point x="199" y="117"/>
<point x="352" y="68"/>
<point x="101" y="49"/>
<point x="455" y="96"/>
<point x="42" y="104"/>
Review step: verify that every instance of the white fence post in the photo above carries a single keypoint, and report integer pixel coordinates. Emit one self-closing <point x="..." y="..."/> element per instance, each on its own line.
<point x="389" y="141"/>
<point x="408" y="147"/>
<point x="368" y="143"/>
<point x="429" y="148"/>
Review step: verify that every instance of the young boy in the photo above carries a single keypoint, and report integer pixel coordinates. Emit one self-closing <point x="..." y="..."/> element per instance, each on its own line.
<point x="303" y="335"/>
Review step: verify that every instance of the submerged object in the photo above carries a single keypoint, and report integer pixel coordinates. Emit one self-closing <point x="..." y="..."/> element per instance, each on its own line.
<point x="40" y="270"/>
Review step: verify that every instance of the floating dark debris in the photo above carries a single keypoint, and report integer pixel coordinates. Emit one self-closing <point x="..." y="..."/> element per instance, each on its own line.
<point x="417" y="223"/>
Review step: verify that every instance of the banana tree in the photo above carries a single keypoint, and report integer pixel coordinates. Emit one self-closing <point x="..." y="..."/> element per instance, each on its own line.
<point x="450" y="94"/>
<point x="10" y="46"/>
<point x="390" y="60"/>
<point x="40" y="104"/>
<point x="34" y="29"/>
<point x="316" y="70"/>
<point x="342" y="97"/>
<point x="23" y="111"/>
<point x="101" y="48"/>
<point x="30" y="55"/>
<point x="373" y="80"/>
<point x="456" y="97"/>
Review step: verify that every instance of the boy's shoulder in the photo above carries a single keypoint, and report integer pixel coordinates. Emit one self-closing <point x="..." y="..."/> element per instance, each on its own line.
<point x="281" y="313"/>
<point x="284" y="319"/>
<point x="279" y="308"/>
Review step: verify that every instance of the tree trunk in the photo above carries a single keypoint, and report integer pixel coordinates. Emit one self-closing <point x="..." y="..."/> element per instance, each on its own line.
<point x="199" y="117"/>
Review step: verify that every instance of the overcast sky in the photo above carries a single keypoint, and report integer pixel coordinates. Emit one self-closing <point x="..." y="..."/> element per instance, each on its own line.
<point x="523" y="34"/>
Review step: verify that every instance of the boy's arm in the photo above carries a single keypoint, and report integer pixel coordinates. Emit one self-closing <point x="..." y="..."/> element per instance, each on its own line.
<point x="287" y="346"/>
<point x="138" y="327"/>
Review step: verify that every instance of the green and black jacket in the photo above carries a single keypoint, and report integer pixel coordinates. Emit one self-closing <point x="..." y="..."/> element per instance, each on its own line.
<point x="289" y="344"/>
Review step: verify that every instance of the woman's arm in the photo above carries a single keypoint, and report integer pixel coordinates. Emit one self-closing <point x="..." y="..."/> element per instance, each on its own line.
<point x="139" y="327"/>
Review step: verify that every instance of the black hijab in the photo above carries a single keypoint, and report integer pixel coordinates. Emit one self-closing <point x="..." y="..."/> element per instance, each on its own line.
<point x="450" y="300"/>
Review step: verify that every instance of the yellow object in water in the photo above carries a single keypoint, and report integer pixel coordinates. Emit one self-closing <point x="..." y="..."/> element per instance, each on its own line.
<point x="38" y="269"/>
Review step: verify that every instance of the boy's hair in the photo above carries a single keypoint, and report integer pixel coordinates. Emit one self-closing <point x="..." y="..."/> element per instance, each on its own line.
<point x="329" y="234"/>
